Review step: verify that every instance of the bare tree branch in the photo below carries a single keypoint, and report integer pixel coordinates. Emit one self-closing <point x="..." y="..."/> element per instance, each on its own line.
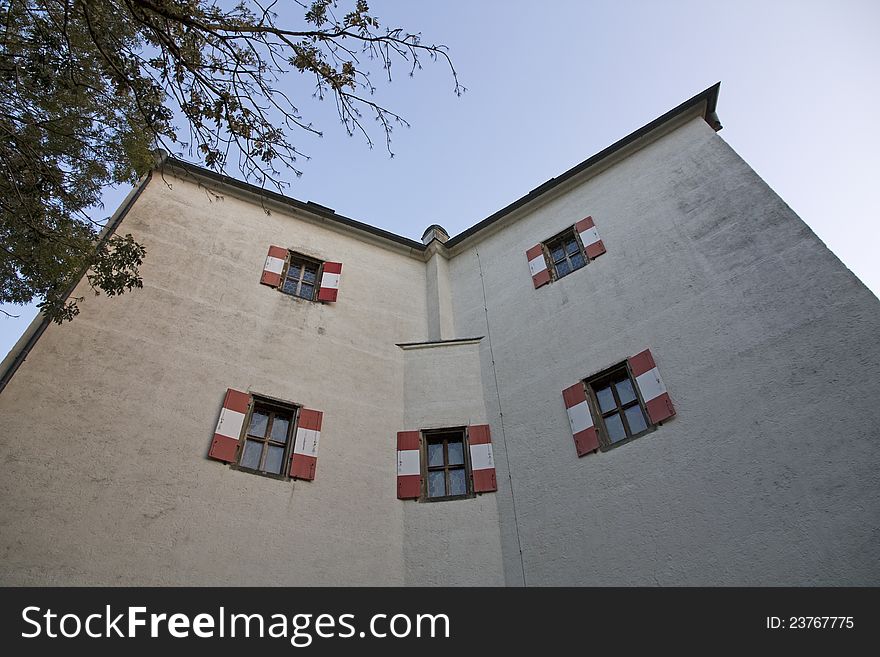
<point x="91" y="87"/>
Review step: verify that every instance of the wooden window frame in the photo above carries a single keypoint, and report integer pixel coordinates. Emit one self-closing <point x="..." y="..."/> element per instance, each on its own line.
<point x="275" y="407"/>
<point x="564" y="236"/>
<point x="429" y="435"/>
<point x="600" y="380"/>
<point x="292" y="258"/>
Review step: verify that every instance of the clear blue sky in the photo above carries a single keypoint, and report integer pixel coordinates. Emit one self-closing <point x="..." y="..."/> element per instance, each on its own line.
<point x="551" y="83"/>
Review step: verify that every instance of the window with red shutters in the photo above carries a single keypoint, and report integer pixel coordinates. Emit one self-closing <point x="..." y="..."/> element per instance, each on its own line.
<point x="617" y="405"/>
<point x="301" y="276"/>
<point x="565" y="252"/>
<point x="266" y="436"/>
<point x="445" y="464"/>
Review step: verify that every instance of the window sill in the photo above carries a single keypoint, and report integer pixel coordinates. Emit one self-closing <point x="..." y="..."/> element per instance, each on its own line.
<point x="267" y="475"/>
<point x="448" y="498"/>
<point x="555" y="279"/>
<point x="298" y="298"/>
<point x="621" y="443"/>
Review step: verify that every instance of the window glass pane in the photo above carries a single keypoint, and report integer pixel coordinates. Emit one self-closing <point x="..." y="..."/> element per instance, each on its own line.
<point x="456" y="453"/>
<point x="289" y="286"/>
<point x="606" y="399"/>
<point x="279" y="429"/>
<point x="615" y="428"/>
<point x="457" y="484"/>
<point x="251" y="456"/>
<point x="274" y="459"/>
<point x="437" y="483"/>
<point x="625" y="391"/>
<point x="572" y="247"/>
<point x="259" y="422"/>
<point x="557" y="253"/>
<point x="563" y="268"/>
<point x="309" y="274"/>
<point x="577" y="261"/>
<point x="435" y="453"/>
<point x="306" y="291"/>
<point x="636" y="419"/>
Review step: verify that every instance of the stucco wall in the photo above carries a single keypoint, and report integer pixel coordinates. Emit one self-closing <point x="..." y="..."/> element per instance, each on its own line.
<point x="768" y="346"/>
<point x="441" y="325"/>
<point x="107" y="424"/>
<point x="454" y="542"/>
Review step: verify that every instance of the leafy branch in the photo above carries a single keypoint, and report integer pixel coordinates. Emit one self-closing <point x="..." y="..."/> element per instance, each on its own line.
<point x="90" y="88"/>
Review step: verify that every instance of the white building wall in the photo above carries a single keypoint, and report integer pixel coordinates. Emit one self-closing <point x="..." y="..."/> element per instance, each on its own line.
<point x="107" y="424"/>
<point x="454" y="542"/>
<point x="768" y="474"/>
<point x="768" y="346"/>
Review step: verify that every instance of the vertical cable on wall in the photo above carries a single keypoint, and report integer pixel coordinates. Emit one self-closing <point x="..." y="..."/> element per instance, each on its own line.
<point x="501" y="416"/>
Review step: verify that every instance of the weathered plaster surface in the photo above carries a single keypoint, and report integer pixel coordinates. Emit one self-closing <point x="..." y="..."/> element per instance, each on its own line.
<point x="107" y="425"/>
<point x="455" y="542"/>
<point x="768" y="474"/>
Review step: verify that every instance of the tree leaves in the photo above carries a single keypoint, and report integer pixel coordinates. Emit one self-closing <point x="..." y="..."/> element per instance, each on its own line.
<point x="91" y="87"/>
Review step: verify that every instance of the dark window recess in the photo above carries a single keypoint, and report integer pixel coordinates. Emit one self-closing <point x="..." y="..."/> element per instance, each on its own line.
<point x="445" y="465"/>
<point x="267" y="439"/>
<point x="616" y="403"/>
<point x="562" y="254"/>
<point x="566" y="253"/>
<point x="301" y="277"/>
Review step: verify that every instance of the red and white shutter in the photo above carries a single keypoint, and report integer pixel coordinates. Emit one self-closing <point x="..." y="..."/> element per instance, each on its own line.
<point x="590" y="237"/>
<point x="274" y="266"/>
<point x="538" y="265"/>
<point x="409" y="465"/>
<point x="482" y="460"/>
<point x="330" y="281"/>
<point x="228" y="431"/>
<point x="657" y="401"/>
<point x="304" y="459"/>
<point x="583" y="429"/>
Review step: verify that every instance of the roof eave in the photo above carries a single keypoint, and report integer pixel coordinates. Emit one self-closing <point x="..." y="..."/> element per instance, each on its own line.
<point x="705" y="101"/>
<point x="308" y="207"/>
<point x="709" y="98"/>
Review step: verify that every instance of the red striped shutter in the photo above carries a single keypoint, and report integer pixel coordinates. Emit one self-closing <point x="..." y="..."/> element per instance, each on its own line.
<point x="590" y="237"/>
<point x="651" y="386"/>
<point x="330" y="281"/>
<point x="482" y="459"/>
<point x="583" y="429"/>
<point x="304" y="459"/>
<point x="224" y="447"/>
<point x="538" y="265"/>
<point x="409" y="465"/>
<point x="274" y="266"/>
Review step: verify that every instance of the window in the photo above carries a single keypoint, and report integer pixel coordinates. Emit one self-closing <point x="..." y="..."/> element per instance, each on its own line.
<point x="301" y="277"/>
<point x="267" y="436"/>
<point x="618" y="409"/>
<point x="617" y="405"/>
<point x="566" y="253"/>
<point x="266" y="440"/>
<point x="445" y="464"/>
